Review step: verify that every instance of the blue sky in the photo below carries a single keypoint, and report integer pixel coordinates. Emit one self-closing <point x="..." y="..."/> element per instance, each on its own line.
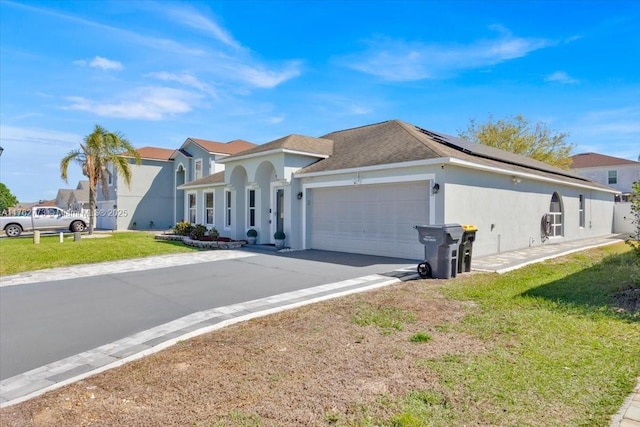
<point x="160" y="72"/>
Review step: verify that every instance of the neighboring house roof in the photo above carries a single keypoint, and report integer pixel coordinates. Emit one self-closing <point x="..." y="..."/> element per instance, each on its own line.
<point x="315" y="146"/>
<point x="213" y="179"/>
<point x="396" y="141"/>
<point x="79" y="196"/>
<point x="155" y="153"/>
<point x="83" y="185"/>
<point x="63" y="194"/>
<point x="594" y="160"/>
<point x="232" y="147"/>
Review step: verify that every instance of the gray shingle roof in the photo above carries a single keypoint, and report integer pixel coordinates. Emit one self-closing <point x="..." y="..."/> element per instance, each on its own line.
<point x="396" y="141"/>
<point x="216" y="178"/>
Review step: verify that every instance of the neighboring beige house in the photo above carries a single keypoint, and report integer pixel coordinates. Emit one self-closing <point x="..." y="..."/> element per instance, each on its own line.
<point x="612" y="171"/>
<point x="363" y="190"/>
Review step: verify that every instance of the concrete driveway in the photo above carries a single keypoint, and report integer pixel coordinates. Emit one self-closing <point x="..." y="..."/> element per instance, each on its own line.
<point x="47" y="319"/>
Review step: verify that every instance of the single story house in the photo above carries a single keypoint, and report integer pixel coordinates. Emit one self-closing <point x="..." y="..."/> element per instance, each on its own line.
<point x="363" y="190"/>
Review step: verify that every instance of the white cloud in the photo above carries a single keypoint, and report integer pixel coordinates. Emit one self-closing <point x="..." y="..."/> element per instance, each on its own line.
<point x="105" y="64"/>
<point x="100" y="62"/>
<point x="259" y="76"/>
<point x="560" y="77"/>
<point x="185" y="79"/>
<point x="196" y="20"/>
<point x="145" y="103"/>
<point x="398" y="60"/>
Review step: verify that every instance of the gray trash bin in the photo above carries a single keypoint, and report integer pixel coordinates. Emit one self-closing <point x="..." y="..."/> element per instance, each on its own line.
<point x="440" y="250"/>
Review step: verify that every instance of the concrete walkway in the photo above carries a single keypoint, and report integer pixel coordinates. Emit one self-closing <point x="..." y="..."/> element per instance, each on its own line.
<point x="33" y="383"/>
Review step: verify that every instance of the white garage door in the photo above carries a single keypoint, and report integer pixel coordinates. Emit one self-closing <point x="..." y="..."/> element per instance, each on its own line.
<point x="370" y="219"/>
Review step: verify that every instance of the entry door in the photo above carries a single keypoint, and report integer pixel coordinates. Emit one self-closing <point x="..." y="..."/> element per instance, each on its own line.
<point x="279" y="210"/>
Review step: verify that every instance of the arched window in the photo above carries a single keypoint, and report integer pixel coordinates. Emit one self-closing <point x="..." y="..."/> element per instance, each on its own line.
<point x="555" y="212"/>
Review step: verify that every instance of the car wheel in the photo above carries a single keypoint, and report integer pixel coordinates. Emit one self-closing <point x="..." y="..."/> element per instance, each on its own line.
<point x="77" y="226"/>
<point x="13" y="230"/>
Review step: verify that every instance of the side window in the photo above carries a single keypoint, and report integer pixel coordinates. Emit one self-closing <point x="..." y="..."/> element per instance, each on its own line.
<point x="555" y="211"/>
<point x="208" y="208"/>
<point x="613" y="177"/>
<point x="227" y="219"/>
<point x="192" y="208"/>
<point x="197" y="174"/>
<point x="581" y="211"/>
<point x="251" y="196"/>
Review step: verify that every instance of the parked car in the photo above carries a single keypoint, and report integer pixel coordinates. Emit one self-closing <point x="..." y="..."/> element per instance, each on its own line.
<point x="43" y="218"/>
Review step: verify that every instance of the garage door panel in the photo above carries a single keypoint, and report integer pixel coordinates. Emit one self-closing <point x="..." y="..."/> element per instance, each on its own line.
<point x="370" y="219"/>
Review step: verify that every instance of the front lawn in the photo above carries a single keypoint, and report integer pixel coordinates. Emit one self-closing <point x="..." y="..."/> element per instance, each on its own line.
<point x="551" y="344"/>
<point x="21" y="254"/>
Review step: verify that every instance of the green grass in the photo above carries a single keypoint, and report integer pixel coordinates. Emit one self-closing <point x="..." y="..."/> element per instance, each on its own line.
<point x="562" y="348"/>
<point x="21" y="254"/>
<point x="387" y="319"/>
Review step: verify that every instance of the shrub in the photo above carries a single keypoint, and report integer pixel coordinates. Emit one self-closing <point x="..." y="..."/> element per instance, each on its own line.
<point x="279" y="235"/>
<point x="214" y="234"/>
<point x="198" y="232"/>
<point x="252" y="233"/>
<point x="183" y="228"/>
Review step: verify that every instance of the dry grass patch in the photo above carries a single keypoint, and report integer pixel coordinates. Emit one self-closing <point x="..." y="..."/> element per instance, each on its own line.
<point x="310" y="366"/>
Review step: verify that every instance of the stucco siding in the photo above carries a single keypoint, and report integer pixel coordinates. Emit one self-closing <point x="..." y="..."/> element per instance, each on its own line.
<point x="149" y="198"/>
<point x="508" y="213"/>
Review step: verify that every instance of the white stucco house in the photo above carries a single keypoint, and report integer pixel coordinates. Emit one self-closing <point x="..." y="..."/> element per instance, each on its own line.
<point x="362" y="190"/>
<point x="617" y="173"/>
<point x="613" y="171"/>
<point x="195" y="159"/>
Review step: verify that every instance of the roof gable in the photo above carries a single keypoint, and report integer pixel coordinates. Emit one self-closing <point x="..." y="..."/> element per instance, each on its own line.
<point x="305" y="144"/>
<point x="593" y="160"/>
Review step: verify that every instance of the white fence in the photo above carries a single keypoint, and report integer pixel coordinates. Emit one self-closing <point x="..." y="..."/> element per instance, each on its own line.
<point x="622" y="218"/>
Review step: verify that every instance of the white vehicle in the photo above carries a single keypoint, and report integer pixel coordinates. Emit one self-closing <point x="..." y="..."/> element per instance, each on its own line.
<point x="43" y="218"/>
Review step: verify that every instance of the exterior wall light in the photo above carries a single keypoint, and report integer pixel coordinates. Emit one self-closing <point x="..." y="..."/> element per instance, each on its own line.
<point x="435" y="188"/>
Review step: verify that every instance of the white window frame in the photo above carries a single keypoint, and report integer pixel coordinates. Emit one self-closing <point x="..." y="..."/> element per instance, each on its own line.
<point x="197" y="169"/>
<point x="192" y="211"/>
<point x="210" y="210"/>
<point x="251" y="209"/>
<point x="228" y="209"/>
<point x="556" y="228"/>
<point x="612" y="177"/>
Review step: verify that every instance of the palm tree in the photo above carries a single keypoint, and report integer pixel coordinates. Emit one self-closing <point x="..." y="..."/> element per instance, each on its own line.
<point x="100" y="149"/>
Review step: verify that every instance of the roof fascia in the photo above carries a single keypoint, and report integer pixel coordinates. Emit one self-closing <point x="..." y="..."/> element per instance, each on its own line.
<point x="193" y="187"/>
<point x="271" y="152"/>
<point x="427" y="162"/>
